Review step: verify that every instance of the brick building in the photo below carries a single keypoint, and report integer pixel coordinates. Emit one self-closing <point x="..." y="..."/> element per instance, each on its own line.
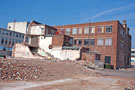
<point x="109" y="41"/>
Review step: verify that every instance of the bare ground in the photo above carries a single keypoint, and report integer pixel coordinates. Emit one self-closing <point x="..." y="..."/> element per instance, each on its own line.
<point x="26" y="74"/>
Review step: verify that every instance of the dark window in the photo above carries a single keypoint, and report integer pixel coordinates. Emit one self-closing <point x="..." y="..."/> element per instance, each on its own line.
<point x="16" y="35"/>
<point x="92" y="41"/>
<point x="2" y="41"/>
<point x="79" y="42"/>
<point x="9" y="27"/>
<point x="109" y="28"/>
<point x="75" y="42"/>
<point x="108" y="59"/>
<point x="10" y="33"/>
<point x="6" y="41"/>
<point x="0" y="31"/>
<point x="6" y="33"/>
<point x="86" y="41"/>
<point x="22" y="36"/>
<point x="98" y="56"/>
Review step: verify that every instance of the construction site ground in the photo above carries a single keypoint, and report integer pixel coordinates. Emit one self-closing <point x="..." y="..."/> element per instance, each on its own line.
<point x="33" y="74"/>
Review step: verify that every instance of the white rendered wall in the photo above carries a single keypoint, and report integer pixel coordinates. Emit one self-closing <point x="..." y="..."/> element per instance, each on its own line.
<point x="18" y="26"/>
<point x="37" y="30"/>
<point x="57" y="51"/>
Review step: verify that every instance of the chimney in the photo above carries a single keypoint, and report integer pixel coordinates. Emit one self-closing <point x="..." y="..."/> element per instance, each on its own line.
<point x="124" y="24"/>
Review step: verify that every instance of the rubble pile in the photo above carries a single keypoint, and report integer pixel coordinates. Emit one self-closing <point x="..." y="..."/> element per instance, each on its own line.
<point x="39" y="70"/>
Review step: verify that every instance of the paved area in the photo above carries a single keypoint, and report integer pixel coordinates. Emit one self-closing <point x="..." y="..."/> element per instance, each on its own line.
<point x="120" y="73"/>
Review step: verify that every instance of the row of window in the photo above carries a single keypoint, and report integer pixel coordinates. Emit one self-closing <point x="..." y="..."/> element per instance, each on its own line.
<point x="7" y="41"/>
<point x="100" y="41"/>
<point x="87" y="30"/>
<point x="14" y="34"/>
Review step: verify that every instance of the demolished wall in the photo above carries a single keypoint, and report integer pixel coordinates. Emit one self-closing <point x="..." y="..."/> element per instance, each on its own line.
<point x="22" y="51"/>
<point x="57" y="51"/>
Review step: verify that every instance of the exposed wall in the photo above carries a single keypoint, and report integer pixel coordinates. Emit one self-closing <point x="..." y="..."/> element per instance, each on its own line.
<point x="18" y="26"/>
<point x="37" y="30"/>
<point x="57" y="51"/>
<point x="22" y="51"/>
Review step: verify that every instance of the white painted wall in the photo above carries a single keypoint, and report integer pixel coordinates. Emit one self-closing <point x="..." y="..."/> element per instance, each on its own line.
<point x="18" y="26"/>
<point x="22" y="51"/>
<point x="57" y="51"/>
<point x="37" y="30"/>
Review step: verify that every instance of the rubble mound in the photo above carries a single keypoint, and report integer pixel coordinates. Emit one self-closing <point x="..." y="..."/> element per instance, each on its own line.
<point x="40" y="70"/>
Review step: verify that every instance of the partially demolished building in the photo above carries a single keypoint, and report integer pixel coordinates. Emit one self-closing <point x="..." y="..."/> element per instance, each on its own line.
<point x="93" y="42"/>
<point x="42" y="41"/>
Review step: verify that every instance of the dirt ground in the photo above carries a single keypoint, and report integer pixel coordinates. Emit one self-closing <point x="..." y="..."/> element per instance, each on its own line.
<point x="30" y="74"/>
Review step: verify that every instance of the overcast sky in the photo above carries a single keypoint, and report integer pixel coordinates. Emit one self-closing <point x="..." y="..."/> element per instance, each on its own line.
<point x="62" y="12"/>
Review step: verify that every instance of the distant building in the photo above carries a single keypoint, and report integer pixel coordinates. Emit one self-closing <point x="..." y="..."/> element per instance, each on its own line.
<point x="7" y="39"/>
<point x="109" y="41"/>
<point x="18" y="26"/>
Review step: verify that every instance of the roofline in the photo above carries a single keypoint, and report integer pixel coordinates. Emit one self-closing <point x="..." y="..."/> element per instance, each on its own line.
<point x="87" y="23"/>
<point x="11" y="30"/>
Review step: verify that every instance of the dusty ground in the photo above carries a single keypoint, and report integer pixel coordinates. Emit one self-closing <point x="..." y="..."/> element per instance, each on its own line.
<point x="26" y="74"/>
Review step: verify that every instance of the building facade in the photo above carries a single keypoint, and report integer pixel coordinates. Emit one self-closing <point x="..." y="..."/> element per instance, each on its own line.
<point x="105" y="39"/>
<point x="18" y="26"/>
<point x="7" y="39"/>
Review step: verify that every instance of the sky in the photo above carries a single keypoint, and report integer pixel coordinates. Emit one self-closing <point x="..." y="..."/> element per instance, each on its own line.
<point x="63" y="12"/>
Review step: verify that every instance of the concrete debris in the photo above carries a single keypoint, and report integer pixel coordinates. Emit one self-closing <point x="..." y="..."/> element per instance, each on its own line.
<point x="39" y="70"/>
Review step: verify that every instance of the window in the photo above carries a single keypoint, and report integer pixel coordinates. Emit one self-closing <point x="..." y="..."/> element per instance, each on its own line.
<point x="74" y="31"/>
<point x="2" y="41"/>
<point x="62" y="31"/>
<point x="109" y="29"/>
<point x="79" y="30"/>
<point x="108" y="41"/>
<point x="6" y="33"/>
<point x="86" y="41"/>
<point x="22" y="36"/>
<point x="9" y="27"/>
<point x="75" y="42"/>
<point x="98" y="56"/>
<point x="16" y="35"/>
<point x="108" y="59"/>
<point x="101" y="29"/>
<point x="100" y="42"/>
<point x="0" y="31"/>
<point x="10" y="33"/>
<point x="6" y="41"/>
<point x="79" y="42"/>
<point x="86" y="30"/>
<point x="92" y="30"/>
<point x="92" y="41"/>
<point x="68" y="31"/>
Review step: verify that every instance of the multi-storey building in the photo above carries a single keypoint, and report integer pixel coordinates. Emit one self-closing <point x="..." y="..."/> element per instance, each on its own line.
<point x="7" y="39"/>
<point x="18" y="26"/>
<point x="110" y="41"/>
